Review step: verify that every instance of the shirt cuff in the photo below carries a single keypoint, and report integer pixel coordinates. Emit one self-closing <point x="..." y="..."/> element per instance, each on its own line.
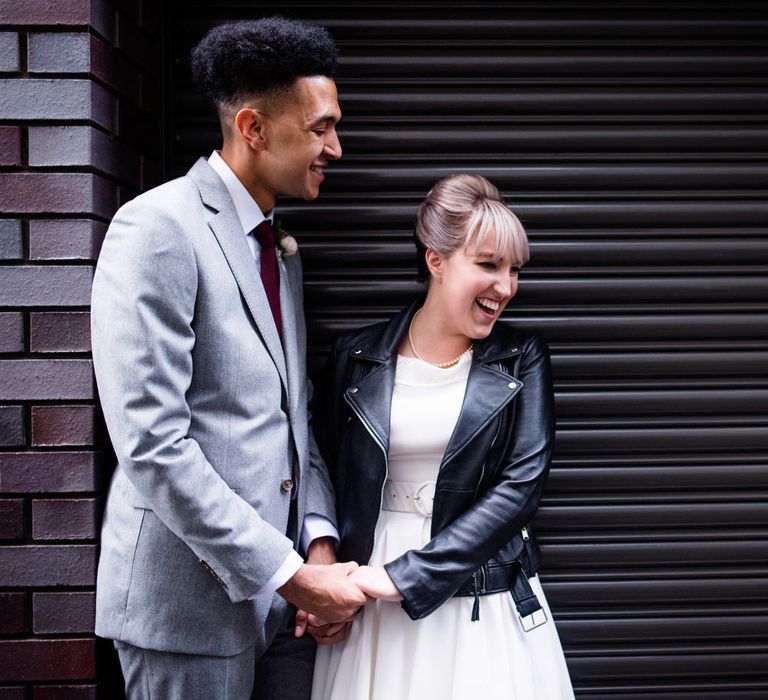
<point x="286" y="571"/>
<point x="316" y="526"/>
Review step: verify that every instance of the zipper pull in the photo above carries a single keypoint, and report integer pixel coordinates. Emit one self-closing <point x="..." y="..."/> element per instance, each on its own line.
<point x="524" y="533"/>
<point x="476" y="604"/>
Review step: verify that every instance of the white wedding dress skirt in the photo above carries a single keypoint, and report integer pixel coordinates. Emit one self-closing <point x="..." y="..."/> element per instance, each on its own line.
<point x="444" y="656"/>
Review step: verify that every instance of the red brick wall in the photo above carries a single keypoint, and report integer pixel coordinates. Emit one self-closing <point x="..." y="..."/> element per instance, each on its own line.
<point x="79" y="134"/>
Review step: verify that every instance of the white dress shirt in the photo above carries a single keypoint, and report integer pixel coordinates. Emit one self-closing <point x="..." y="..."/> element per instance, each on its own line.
<point x="250" y="215"/>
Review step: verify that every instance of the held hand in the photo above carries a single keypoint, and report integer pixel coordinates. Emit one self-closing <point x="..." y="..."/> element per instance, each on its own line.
<point x="324" y="633"/>
<point x="324" y="590"/>
<point x="375" y="582"/>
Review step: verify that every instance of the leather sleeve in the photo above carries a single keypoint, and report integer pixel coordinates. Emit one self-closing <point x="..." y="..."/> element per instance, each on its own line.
<point x="429" y="576"/>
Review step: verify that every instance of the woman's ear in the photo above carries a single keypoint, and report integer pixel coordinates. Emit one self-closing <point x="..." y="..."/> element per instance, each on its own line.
<point x="249" y="125"/>
<point x="434" y="264"/>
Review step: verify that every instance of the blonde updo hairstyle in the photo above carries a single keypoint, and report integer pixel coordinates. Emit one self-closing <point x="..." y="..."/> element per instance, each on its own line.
<point x="461" y="210"/>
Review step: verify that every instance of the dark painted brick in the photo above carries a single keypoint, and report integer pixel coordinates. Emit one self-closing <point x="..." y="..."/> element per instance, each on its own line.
<point x="62" y="239"/>
<point x="111" y="67"/>
<point x="52" y="331"/>
<point x="138" y="45"/>
<point x="82" y="146"/>
<point x="13" y="693"/>
<point x="56" y="380"/>
<point x="12" y="613"/>
<point x="9" y="52"/>
<point x="10" y="145"/>
<point x="13" y="431"/>
<point x="151" y="19"/>
<point x="10" y="239"/>
<point x="11" y="519"/>
<point x="103" y="107"/>
<point x="33" y="12"/>
<point x="47" y="565"/>
<point x="44" y="285"/>
<point x="47" y="472"/>
<point x="50" y="98"/>
<point x="51" y="52"/>
<point x="64" y="692"/>
<point x="128" y="7"/>
<point x="64" y="519"/>
<point x="11" y="332"/>
<point x="54" y="426"/>
<point x="47" y="659"/>
<point x="61" y="193"/>
<point x="63" y="613"/>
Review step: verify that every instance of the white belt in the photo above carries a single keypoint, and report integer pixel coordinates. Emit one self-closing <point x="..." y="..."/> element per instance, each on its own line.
<point x="409" y="497"/>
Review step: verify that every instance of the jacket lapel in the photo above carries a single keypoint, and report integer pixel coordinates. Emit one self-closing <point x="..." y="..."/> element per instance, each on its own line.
<point x="371" y="399"/>
<point x="490" y="390"/>
<point x="229" y="234"/>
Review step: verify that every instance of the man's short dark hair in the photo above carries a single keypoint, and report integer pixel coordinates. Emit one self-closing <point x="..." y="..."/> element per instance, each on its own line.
<point x="261" y="57"/>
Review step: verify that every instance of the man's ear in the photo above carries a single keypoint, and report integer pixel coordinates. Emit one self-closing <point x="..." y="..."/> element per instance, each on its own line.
<point x="249" y="125"/>
<point x="435" y="263"/>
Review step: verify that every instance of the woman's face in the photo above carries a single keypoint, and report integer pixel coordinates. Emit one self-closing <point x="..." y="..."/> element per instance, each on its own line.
<point x="472" y="288"/>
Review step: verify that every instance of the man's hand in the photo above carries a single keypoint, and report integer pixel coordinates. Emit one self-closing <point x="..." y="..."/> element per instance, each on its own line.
<point x="324" y="590"/>
<point x="321" y="551"/>
<point x="375" y="582"/>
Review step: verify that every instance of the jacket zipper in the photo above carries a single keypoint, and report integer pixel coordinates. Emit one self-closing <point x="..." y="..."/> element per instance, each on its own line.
<point x="482" y="470"/>
<point x="383" y="452"/>
<point x="479" y="590"/>
<point x="476" y="604"/>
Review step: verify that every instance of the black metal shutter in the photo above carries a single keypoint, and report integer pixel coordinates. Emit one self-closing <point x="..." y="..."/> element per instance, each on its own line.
<point x="631" y="139"/>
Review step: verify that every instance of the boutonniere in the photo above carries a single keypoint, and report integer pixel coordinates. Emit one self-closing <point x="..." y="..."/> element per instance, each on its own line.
<point x="285" y="241"/>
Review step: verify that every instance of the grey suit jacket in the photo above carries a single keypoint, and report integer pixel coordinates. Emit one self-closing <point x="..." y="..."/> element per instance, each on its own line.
<point x="206" y="411"/>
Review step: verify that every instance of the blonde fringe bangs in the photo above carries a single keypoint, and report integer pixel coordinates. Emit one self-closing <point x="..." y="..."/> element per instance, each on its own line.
<point x="511" y="240"/>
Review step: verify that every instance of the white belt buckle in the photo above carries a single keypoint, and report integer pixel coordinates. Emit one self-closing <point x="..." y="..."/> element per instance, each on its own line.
<point x="534" y="620"/>
<point x="423" y="503"/>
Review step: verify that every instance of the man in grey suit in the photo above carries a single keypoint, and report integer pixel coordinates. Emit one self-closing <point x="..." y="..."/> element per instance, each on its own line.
<point x="199" y="352"/>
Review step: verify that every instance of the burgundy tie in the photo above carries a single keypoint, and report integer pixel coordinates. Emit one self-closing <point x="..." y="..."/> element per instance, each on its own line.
<point x="270" y="277"/>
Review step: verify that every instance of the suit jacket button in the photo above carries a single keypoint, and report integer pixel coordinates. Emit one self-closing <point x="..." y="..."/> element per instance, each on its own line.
<point x="286" y="484"/>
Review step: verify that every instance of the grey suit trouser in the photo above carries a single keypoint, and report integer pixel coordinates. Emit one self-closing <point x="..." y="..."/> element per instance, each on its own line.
<point x="283" y="673"/>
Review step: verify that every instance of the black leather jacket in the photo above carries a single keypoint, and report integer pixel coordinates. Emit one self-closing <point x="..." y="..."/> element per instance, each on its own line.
<point x="491" y="477"/>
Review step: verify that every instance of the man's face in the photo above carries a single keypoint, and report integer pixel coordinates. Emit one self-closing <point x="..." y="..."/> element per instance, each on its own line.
<point x="301" y="139"/>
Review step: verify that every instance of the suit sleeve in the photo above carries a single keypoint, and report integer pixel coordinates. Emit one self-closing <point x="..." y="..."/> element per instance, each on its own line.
<point x="142" y="315"/>
<point x="429" y="576"/>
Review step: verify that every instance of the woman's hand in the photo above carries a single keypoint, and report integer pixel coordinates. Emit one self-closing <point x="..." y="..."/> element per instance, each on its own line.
<point x="375" y="582"/>
<point x="324" y="633"/>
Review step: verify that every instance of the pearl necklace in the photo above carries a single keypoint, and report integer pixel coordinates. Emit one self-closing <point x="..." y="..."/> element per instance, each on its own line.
<point x="441" y="365"/>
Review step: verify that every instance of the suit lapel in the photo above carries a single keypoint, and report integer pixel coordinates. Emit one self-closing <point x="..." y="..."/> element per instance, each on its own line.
<point x="293" y="337"/>
<point x="229" y="234"/>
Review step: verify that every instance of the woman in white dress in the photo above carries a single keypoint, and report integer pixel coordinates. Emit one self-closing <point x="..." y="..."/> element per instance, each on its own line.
<point x="438" y="427"/>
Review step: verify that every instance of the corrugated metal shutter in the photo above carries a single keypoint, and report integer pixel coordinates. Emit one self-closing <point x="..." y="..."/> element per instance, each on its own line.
<point x="632" y="141"/>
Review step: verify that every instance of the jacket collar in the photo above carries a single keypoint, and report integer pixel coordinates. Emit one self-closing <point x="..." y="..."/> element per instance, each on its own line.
<point x="489" y="388"/>
<point x="382" y="346"/>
